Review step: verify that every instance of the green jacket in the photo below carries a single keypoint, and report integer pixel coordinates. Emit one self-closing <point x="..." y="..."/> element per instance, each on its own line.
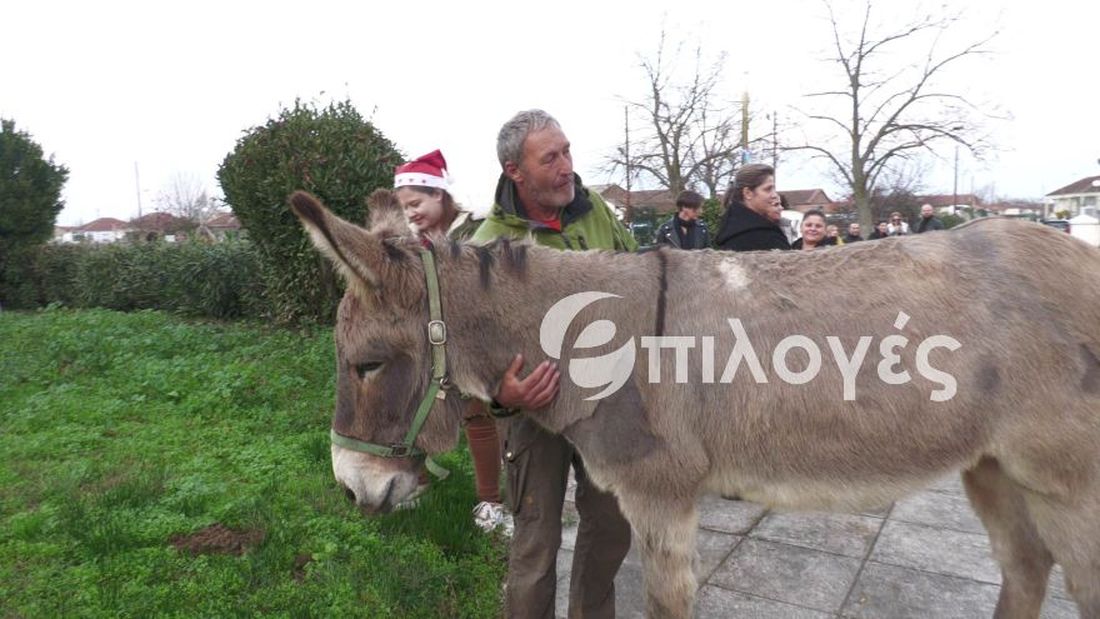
<point x="587" y="222"/>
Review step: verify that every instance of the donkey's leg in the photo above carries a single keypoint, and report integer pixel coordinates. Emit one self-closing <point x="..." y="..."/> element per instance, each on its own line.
<point x="665" y="529"/>
<point x="1024" y="559"/>
<point x="1071" y="529"/>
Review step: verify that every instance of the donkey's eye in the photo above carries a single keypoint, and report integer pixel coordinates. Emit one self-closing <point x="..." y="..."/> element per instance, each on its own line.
<point x="366" y="368"/>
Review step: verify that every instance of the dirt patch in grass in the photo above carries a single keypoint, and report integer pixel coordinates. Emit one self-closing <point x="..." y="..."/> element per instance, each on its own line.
<point x="300" y="563"/>
<point x="217" y="538"/>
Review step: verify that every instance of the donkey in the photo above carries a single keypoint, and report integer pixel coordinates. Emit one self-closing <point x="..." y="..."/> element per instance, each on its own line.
<point x="971" y="350"/>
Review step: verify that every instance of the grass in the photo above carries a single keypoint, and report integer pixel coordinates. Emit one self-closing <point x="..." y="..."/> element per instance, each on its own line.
<point x="121" y="432"/>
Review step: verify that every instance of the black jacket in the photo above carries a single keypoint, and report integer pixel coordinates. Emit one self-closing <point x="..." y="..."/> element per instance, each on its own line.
<point x="668" y="235"/>
<point x="745" y="230"/>
<point x="928" y="225"/>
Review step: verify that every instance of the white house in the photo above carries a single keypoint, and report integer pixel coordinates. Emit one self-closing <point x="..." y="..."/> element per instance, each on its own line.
<point x="102" y="230"/>
<point x="1077" y="197"/>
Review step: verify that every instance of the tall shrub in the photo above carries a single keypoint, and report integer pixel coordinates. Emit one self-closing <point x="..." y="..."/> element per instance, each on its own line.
<point x="30" y="199"/>
<point x="333" y="153"/>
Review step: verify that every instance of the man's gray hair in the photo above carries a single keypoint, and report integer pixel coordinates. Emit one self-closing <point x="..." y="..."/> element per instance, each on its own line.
<point x="515" y="131"/>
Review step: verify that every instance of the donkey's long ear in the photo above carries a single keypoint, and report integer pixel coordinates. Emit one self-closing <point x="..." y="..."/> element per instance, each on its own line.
<point x="384" y="214"/>
<point x="351" y="248"/>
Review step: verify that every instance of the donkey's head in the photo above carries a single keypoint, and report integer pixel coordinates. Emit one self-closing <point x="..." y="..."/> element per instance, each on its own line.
<point x="383" y="354"/>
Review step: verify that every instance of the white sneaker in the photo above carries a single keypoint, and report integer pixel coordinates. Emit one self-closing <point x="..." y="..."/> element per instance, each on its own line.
<point x="491" y="516"/>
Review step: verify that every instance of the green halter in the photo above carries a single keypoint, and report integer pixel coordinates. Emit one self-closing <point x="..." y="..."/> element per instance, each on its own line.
<point x="437" y="387"/>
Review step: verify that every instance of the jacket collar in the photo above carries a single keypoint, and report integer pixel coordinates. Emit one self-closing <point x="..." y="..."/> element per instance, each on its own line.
<point x="739" y="218"/>
<point x="507" y="200"/>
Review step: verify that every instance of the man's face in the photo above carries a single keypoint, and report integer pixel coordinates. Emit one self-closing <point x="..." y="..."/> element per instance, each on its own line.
<point x="544" y="175"/>
<point x="926" y="211"/>
<point x="689" y="214"/>
<point x="853" y="229"/>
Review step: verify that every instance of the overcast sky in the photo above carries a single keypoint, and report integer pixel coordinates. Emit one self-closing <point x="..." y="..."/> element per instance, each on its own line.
<point x="171" y="86"/>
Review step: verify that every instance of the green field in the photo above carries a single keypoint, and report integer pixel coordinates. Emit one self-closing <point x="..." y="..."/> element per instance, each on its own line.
<point x="125" y="437"/>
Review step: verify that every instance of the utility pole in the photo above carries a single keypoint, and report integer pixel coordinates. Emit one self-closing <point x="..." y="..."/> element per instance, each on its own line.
<point x="137" y="182"/>
<point x="745" y="157"/>
<point x="775" y="144"/>
<point x="628" y="211"/>
<point x="955" y="191"/>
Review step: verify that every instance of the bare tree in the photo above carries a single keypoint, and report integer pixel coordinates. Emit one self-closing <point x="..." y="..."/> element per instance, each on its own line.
<point x="185" y="197"/>
<point x="888" y="111"/>
<point x="687" y="137"/>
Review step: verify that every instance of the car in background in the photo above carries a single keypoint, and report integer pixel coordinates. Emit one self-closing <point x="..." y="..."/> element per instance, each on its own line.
<point x="1061" y="224"/>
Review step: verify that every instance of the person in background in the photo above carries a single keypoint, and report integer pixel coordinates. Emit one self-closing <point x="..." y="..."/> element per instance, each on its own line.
<point x="853" y="235"/>
<point x="685" y="230"/>
<point x="928" y="220"/>
<point x="880" y="231"/>
<point x="753" y="211"/>
<point x="832" y="235"/>
<point x="897" y="226"/>
<point x="421" y="188"/>
<point x="785" y="224"/>
<point x="813" y="231"/>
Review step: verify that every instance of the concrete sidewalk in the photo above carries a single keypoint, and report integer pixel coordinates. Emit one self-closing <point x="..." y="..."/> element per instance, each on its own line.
<point x="926" y="556"/>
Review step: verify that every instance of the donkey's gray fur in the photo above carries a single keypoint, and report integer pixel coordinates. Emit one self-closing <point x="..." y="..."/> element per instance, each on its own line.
<point x="1023" y="426"/>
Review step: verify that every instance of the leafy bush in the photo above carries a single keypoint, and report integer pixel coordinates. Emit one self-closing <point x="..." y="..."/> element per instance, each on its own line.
<point x="217" y="281"/>
<point x="333" y="153"/>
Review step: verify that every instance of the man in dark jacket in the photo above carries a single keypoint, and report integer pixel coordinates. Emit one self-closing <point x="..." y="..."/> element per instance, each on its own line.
<point x="853" y="235"/>
<point x="753" y="211"/>
<point x="928" y="220"/>
<point x="685" y="230"/>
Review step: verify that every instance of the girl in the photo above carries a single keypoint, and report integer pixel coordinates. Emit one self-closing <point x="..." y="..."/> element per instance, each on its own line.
<point x="421" y="188"/>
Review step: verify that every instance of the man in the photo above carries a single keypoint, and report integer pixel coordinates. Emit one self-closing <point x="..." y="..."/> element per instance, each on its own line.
<point x="539" y="195"/>
<point x="685" y="230"/>
<point x="928" y="220"/>
<point x="853" y="235"/>
<point x="897" y="226"/>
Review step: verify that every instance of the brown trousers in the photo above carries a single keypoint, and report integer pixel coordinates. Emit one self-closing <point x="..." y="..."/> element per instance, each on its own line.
<point x="538" y="469"/>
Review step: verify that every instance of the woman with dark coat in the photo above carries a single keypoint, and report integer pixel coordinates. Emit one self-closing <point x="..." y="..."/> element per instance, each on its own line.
<point x="751" y="221"/>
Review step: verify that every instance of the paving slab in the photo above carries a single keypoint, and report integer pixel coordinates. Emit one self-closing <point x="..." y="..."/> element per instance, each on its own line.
<point x="785" y="573"/>
<point x="843" y="534"/>
<point x="938" y="509"/>
<point x="905" y="593"/>
<point x="725" y="516"/>
<point x="717" y="602"/>
<point x="937" y="550"/>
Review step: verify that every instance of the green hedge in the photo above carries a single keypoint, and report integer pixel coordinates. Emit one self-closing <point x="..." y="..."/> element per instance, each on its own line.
<point x="212" y="280"/>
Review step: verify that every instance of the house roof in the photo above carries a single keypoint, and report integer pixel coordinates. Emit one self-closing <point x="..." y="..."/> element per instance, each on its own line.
<point x="806" y="197"/>
<point x="1089" y="184"/>
<point x="224" y="221"/>
<point x="660" y="200"/>
<point x="104" y="224"/>
<point x="158" y="221"/>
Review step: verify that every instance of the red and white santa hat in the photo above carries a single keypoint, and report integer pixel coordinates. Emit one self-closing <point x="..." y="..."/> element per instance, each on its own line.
<point x="426" y="171"/>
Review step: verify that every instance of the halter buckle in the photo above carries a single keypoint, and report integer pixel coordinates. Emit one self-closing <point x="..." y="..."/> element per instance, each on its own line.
<point x="437" y="332"/>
